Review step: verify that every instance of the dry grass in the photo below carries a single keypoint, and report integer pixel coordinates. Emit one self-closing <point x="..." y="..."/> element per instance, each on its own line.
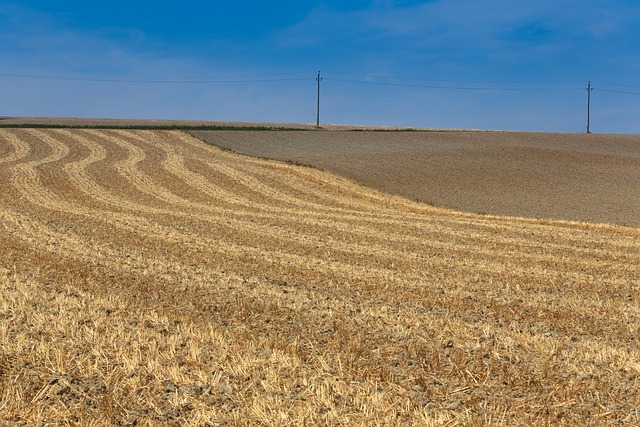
<point x="149" y="279"/>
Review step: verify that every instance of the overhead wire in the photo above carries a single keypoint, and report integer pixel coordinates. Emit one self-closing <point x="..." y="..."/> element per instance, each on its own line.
<point x="474" y="88"/>
<point x="619" y="85"/>
<point x="220" y="79"/>
<point x="459" y="85"/>
<point x="397" y="78"/>
<point x="616" y="91"/>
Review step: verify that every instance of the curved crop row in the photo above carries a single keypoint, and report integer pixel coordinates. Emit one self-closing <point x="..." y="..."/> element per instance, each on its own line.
<point x="149" y="278"/>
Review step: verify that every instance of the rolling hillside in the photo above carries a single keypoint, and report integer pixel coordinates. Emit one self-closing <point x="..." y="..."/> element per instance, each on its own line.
<point x="150" y="279"/>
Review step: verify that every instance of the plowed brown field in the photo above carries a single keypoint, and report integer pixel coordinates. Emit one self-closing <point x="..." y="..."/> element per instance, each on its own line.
<point x="579" y="177"/>
<point x="147" y="278"/>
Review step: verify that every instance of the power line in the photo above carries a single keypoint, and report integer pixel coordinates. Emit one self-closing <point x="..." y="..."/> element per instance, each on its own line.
<point x="619" y="85"/>
<point x="458" y="85"/>
<point x="617" y="91"/>
<point x="459" y="81"/>
<point x="222" y="79"/>
<point x="279" y="77"/>
<point x="475" y="88"/>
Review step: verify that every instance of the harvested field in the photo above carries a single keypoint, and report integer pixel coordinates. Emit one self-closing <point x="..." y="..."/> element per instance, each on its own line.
<point x="150" y="279"/>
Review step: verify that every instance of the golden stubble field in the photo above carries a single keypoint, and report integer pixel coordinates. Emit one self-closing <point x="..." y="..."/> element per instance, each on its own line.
<point x="147" y="278"/>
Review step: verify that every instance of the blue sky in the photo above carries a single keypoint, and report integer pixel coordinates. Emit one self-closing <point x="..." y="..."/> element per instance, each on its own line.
<point x="482" y="64"/>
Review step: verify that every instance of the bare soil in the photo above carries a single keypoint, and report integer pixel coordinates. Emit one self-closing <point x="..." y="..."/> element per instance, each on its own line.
<point x="579" y="177"/>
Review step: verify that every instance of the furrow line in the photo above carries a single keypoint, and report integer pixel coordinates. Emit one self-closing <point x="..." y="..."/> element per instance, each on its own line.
<point x="461" y="224"/>
<point x="174" y="164"/>
<point x="31" y="189"/>
<point x="172" y="270"/>
<point x="20" y="148"/>
<point x="27" y="179"/>
<point x="265" y="170"/>
<point x="77" y="174"/>
<point x="242" y="251"/>
<point x="384" y="237"/>
<point x="395" y="214"/>
<point x="238" y="177"/>
<point x="304" y="239"/>
<point x="332" y="187"/>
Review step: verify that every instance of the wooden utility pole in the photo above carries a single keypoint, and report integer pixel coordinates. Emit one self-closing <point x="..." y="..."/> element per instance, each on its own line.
<point x="589" y="89"/>
<point x="318" y="109"/>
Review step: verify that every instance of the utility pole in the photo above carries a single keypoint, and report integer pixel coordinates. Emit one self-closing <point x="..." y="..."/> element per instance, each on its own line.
<point x="318" y="109"/>
<point x="589" y="89"/>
